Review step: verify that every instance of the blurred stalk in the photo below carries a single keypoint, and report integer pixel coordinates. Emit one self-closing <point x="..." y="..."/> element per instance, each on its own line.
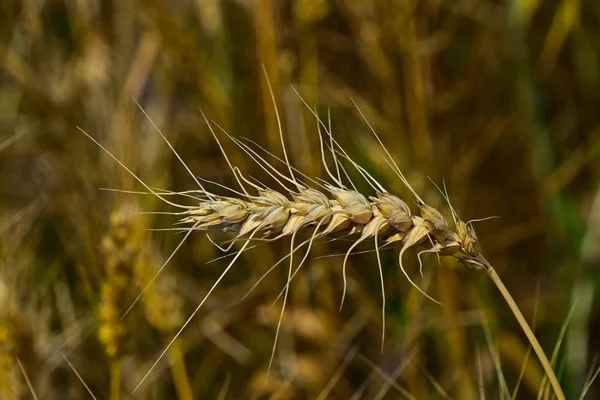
<point x="267" y="56"/>
<point x="307" y="15"/>
<point x="115" y="379"/>
<point x="565" y="19"/>
<point x="179" y="372"/>
<point x="456" y="337"/>
<point x="139" y="71"/>
<point x="367" y="32"/>
<point x="413" y="83"/>
<point x="163" y="304"/>
<point x="416" y="382"/>
<point x="193" y="60"/>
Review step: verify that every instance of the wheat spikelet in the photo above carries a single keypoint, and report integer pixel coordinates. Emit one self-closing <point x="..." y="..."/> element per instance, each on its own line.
<point x="327" y="208"/>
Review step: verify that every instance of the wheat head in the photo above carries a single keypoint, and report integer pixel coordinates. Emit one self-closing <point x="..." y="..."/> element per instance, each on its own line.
<point x="256" y="212"/>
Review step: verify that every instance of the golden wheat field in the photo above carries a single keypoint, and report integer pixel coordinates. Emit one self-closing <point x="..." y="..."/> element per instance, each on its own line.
<point x="299" y="199"/>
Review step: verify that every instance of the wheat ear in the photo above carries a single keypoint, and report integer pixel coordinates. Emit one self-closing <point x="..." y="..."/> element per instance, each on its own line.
<point x="270" y="215"/>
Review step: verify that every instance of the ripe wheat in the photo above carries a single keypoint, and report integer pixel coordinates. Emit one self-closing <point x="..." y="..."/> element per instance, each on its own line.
<point x="324" y="208"/>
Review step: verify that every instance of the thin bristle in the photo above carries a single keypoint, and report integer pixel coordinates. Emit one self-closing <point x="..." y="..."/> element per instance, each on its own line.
<point x="172" y="148"/>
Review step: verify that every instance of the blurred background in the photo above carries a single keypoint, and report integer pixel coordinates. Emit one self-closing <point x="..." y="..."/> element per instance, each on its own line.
<point x="500" y="99"/>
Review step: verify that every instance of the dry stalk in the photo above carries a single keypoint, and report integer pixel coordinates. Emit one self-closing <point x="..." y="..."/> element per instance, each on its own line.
<point x="326" y="208"/>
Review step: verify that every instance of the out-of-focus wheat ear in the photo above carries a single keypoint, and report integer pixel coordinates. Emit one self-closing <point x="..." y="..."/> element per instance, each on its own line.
<point x="416" y="235"/>
<point x="78" y="376"/>
<point x="121" y="247"/>
<point x="210" y="196"/>
<point x="133" y="174"/>
<point x="139" y="296"/>
<point x="196" y="310"/>
<point x="212" y="131"/>
<point x="287" y="161"/>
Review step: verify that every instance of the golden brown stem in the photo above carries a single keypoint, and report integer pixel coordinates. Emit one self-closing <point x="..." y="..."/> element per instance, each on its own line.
<point x="529" y="333"/>
<point x="179" y="373"/>
<point x="115" y="380"/>
<point x="267" y="53"/>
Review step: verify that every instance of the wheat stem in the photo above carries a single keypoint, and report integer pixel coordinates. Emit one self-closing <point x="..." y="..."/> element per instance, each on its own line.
<point x="528" y="332"/>
<point x="179" y="372"/>
<point x="115" y="379"/>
